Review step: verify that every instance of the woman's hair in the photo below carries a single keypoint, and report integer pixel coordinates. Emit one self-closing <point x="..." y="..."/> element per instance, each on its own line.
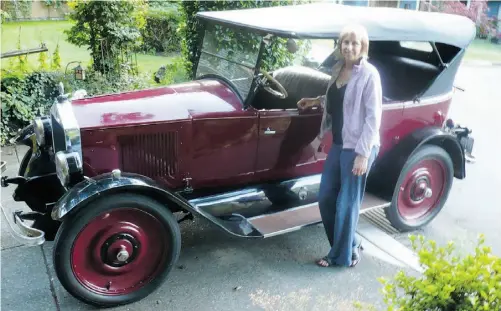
<point x="360" y="33"/>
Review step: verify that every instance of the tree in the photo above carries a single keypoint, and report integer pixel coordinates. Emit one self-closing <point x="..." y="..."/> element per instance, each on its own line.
<point x="110" y="29"/>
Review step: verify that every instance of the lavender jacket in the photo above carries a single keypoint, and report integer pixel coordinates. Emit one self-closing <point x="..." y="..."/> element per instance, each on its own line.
<point x="362" y="108"/>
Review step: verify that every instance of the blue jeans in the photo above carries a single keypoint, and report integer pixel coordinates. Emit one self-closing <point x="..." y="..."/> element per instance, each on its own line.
<point x="340" y="197"/>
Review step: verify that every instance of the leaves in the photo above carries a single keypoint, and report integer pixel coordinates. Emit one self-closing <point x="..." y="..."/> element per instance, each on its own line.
<point x="192" y="32"/>
<point x="448" y="282"/>
<point x="110" y="29"/>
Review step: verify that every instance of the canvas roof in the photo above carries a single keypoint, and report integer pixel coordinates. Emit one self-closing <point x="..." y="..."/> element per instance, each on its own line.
<point x="326" y="20"/>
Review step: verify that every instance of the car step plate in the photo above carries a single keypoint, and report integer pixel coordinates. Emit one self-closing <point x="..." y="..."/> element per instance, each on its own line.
<point x="296" y="218"/>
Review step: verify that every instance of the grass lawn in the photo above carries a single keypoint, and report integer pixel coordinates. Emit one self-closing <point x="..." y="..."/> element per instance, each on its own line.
<point x="51" y="32"/>
<point x="484" y="50"/>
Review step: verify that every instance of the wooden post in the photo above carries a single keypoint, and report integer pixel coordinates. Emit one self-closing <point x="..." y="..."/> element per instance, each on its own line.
<point x="41" y="49"/>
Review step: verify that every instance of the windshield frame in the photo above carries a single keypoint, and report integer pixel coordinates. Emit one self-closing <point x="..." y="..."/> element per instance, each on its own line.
<point x="244" y="94"/>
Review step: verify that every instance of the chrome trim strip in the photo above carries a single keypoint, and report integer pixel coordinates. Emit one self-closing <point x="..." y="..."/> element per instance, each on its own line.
<point x="423" y="102"/>
<point x="280" y="232"/>
<point x="25" y="234"/>
<point x="64" y="114"/>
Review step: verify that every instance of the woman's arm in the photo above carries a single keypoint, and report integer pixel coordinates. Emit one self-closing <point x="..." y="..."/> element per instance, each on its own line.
<point x="373" y="104"/>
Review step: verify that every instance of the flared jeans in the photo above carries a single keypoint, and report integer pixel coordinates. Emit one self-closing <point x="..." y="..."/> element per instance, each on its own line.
<point x="340" y="198"/>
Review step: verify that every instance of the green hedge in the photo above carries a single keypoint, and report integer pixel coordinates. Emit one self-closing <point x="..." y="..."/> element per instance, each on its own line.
<point x="160" y="33"/>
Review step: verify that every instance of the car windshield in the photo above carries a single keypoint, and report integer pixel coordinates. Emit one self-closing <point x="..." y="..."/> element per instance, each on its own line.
<point x="230" y="54"/>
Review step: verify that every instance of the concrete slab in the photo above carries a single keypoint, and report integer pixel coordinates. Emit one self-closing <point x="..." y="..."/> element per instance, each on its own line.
<point x="25" y="283"/>
<point x="220" y="272"/>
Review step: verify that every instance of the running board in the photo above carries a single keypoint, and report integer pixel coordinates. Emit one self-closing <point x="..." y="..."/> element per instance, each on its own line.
<point x="297" y="218"/>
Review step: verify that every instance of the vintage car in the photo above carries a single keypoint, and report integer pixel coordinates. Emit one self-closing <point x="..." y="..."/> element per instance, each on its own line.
<point x="109" y="178"/>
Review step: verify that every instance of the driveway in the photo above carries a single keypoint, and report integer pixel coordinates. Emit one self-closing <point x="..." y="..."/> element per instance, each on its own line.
<point x="220" y="272"/>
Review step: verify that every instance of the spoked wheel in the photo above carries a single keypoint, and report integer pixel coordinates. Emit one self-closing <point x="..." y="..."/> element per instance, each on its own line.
<point x="116" y="250"/>
<point x="422" y="189"/>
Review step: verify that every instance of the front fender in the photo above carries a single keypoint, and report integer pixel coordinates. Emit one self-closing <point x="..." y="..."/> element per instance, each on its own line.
<point x="92" y="188"/>
<point x="389" y="167"/>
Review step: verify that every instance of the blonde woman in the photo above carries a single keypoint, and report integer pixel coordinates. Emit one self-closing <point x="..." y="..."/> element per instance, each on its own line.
<point x="352" y="108"/>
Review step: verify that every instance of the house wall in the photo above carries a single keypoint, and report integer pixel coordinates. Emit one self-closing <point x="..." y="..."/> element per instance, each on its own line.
<point x="356" y="2"/>
<point x="411" y="4"/>
<point x="41" y="11"/>
<point x="494" y="9"/>
<point x="37" y="10"/>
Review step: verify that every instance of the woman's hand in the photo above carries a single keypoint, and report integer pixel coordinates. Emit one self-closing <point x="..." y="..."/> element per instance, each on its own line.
<point x="360" y="165"/>
<point x="304" y="103"/>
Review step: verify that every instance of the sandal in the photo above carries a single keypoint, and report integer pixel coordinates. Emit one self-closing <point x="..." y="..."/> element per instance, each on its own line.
<point x="357" y="255"/>
<point x="326" y="262"/>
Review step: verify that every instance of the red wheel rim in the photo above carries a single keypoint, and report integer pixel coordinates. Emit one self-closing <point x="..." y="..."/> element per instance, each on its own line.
<point x="119" y="251"/>
<point x="421" y="190"/>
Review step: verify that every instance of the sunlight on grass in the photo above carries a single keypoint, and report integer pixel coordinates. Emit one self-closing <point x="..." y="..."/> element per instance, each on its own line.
<point x="484" y="50"/>
<point x="51" y="32"/>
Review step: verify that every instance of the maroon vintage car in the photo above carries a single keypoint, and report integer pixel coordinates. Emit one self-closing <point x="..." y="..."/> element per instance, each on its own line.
<point x="109" y="177"/>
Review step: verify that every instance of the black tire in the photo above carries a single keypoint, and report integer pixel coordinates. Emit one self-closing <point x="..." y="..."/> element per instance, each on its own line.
<point x="76" y="222"/>
<point x="427" y="152"/>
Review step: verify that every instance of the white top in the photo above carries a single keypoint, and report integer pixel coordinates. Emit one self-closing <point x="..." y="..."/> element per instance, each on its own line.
<point x="326" y="20"/>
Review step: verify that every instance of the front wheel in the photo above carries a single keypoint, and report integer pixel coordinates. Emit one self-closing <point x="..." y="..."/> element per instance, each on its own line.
<point x="422" y="188"/>
<point x="116" y="250"/>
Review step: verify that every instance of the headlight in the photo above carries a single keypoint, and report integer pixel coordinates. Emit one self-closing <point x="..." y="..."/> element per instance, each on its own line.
<point x="68" y="167"/>
<point x="43" y="130"/>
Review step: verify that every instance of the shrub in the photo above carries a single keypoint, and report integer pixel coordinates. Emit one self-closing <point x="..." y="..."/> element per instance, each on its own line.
<point x="449" y="282"/>
<point x="477" y="12"/>
<point x="25" y="98"/>
<point x="160" y="33"/>
<point x="110" y="30"/>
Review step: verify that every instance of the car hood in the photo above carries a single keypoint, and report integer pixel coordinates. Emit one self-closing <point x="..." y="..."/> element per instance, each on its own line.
<point x="166" y="104"/>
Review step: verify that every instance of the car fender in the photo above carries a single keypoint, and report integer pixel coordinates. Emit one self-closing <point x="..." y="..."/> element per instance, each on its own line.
<point x="388" y="168"/>
<point x="91" y="189"/>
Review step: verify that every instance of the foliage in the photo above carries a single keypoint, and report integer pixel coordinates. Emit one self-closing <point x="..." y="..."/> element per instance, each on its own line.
<point x="24" y="99"/>
<point x="27" y="96"/>
<point x="448" y="282"/>
<point x="55" y="3"/>
<point x="97" y="83"/>
<point x="56" y="59"/>
<point x="110" y="30"/>
<point x="4" y="15"/>
<point x="19" y="63"/>
<point x="171" y="73"/>
<point x="18" y="9"/>
<point x="477" y="12"/>
<point x="191" y="31"/>
<point x="42" y="61"/>
<point x="160" y="33"/>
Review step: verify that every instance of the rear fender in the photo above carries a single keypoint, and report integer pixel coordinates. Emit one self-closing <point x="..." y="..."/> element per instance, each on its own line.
<point x="91" y="189"/>
<point x="388" y="168"/>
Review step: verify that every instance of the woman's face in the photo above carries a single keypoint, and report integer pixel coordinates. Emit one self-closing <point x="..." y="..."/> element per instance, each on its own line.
<point x="351" y="48"/>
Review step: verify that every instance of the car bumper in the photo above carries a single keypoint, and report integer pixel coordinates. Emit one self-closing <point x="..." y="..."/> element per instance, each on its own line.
<point x="20" y="230"/>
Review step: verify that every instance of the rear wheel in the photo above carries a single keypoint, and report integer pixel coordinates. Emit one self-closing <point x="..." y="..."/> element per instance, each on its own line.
<point x="116" y="250"/>
<point x="422" y="188"/>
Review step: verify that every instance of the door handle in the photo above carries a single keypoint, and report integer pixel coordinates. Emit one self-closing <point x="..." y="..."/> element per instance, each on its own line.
<point x="269" y="132"/>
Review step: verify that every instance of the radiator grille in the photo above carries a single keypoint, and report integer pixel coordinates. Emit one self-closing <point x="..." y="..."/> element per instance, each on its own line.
<point x="152" y="155"/>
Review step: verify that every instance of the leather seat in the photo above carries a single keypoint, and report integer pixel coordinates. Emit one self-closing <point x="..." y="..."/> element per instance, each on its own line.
<point x="299" y="81"/>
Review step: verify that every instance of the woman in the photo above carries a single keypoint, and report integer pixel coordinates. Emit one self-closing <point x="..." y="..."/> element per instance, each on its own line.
<point x="352" y="108"/>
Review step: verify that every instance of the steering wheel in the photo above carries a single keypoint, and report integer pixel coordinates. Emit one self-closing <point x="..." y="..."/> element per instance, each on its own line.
<point x="282" y="93"/>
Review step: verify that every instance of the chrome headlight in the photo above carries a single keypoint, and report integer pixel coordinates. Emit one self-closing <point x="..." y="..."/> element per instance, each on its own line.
<point x="43" y="130"/>
<point x="68" y="167"/>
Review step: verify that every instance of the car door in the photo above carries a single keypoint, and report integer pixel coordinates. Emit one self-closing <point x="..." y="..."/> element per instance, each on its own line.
<point x="286" y="143"/>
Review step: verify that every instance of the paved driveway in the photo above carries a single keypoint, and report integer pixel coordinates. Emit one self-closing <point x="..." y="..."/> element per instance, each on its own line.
<point x="219" y="272"/>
